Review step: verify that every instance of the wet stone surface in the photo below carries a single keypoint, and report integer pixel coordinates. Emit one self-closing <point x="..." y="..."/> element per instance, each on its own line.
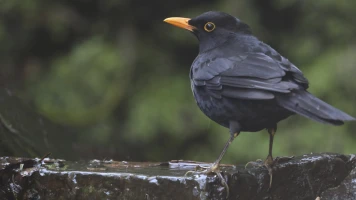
<point x="329" y="176"/>
<point x="345" y="190"/>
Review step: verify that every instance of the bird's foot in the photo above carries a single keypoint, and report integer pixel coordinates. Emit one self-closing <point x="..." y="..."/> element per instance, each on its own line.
<point x="269" y="163"/>
<point x="257" y="163"/>
<point x="284" y="159"/>
<point x="214" y="168"/>
<point x="198" y="170"/>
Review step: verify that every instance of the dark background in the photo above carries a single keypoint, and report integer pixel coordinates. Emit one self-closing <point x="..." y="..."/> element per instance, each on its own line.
<point x="115" y="76"/>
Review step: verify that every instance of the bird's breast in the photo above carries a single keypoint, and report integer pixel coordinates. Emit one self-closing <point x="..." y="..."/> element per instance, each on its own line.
<point x="217" y="109"/>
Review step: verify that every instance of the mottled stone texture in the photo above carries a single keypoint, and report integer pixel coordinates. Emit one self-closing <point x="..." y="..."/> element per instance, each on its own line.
<point x="329" y="176"/>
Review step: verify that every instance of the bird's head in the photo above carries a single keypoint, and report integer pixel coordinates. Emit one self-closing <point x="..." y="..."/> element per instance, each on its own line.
<point x="211" y="28"/>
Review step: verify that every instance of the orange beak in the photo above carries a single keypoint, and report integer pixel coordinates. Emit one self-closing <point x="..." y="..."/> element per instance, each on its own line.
<point x="180" y="22"/>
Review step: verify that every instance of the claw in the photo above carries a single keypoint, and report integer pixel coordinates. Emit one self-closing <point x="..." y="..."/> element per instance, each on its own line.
<point x="189" y="172"/>
<point x="269" y="163"/>
<point x="284" y="158"/>
<point x="197" y="168"/>
<point x="214" y="168"/>
<point x="253" y="163"/>
<point x="270" y="170"/>
<point x="223" y="182"/>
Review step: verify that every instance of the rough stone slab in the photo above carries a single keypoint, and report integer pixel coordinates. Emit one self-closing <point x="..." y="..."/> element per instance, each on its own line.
<point x="345" y="190"/>
<point x="331" y="176"/>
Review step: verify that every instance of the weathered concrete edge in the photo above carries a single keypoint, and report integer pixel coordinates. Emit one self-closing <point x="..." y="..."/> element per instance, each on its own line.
<point x="324" y="172"/>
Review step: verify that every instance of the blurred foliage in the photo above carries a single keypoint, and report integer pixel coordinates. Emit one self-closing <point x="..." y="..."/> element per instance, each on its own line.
<point x="116" y="74"/>
<point x="84" y="86"/>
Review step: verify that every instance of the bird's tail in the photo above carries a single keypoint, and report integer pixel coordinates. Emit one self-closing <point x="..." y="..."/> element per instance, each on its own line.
<point x="307" y="105"/>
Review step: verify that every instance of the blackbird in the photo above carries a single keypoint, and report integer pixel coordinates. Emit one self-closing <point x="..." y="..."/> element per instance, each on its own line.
<point x="244" y="84"/>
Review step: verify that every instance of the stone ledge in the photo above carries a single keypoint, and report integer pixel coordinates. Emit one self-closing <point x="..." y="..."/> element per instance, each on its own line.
<point x="330" y="176"/>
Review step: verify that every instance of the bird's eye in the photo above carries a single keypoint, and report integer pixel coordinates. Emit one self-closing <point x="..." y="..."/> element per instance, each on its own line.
<point x="209" y="26"/>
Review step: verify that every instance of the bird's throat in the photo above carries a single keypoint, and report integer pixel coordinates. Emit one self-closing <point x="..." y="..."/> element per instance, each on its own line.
<point x="209" y="43"/>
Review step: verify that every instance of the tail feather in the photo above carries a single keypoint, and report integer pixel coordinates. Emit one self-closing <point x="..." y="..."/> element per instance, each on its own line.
<point x="307" y="105"/>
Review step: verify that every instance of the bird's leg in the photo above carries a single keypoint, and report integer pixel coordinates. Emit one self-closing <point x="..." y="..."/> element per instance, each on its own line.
<point x="215" y="166"/>
<point x="271" y="132"/>
<point x="269" y="162"/>
<point x="234" y="132"/>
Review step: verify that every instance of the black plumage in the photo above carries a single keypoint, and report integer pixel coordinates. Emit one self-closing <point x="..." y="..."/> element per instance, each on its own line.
<point x="244" y="84"/>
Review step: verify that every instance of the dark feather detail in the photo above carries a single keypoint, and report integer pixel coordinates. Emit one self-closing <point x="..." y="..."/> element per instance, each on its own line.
<point x="255" y="66"/>
<point x="239" y="93"/>
<point x="304" y="103"/>
<point x="283" y="86"/>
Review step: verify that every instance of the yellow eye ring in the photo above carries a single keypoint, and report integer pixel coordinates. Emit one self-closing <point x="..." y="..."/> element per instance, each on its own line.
<point x="209" y="26"/>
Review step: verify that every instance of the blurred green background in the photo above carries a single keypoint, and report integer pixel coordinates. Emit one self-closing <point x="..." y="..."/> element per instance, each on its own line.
<point x="116" y="76"/>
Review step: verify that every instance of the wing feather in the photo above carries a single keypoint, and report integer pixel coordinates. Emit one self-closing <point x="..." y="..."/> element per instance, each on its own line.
<point x="247" y="76"/>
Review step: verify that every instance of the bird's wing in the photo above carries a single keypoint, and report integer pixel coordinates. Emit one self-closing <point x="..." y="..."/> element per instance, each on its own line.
<point x="247" y="76"/>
